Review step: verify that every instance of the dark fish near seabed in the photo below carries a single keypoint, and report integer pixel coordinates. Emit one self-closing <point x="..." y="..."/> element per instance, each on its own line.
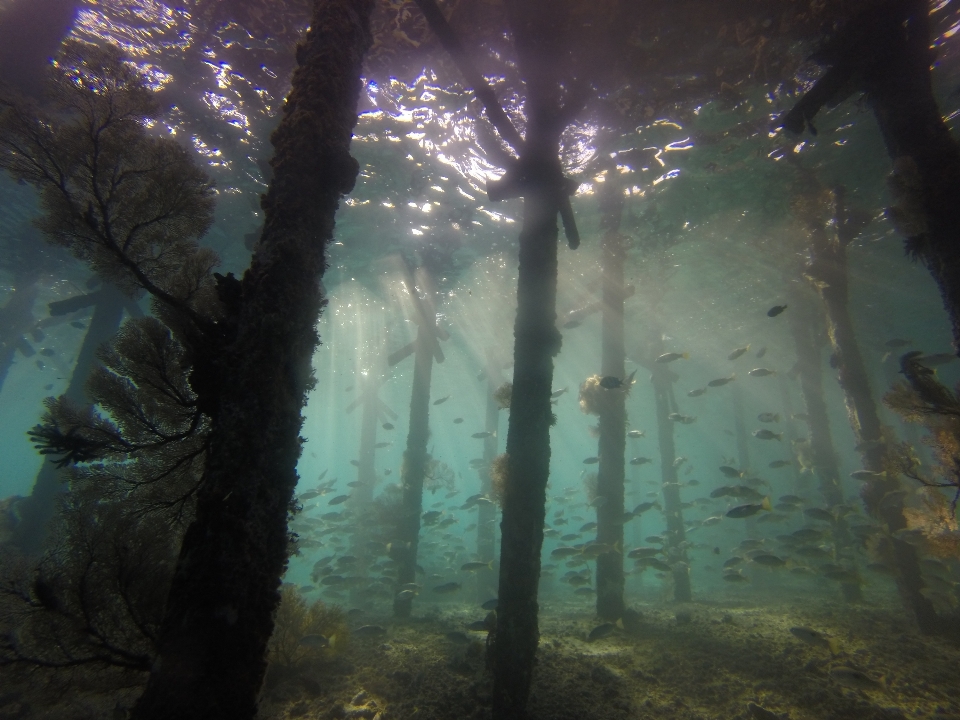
<point x="765" y="434"/>
<point x="720" y="382"/>
<point x="735" y="576"/>
<point x="640" y="461"/>
<point x="769" y="560"/>
<point x="936" y="359"/>
<point x="815" y="638"/>
<point x="490" y="604"/>
<point x="776" y="464"/>
<point x="696" y="393"/>
<point x="776" y="310"/>
<point x="457" y="421"/>
<point x="761" y="372"/>
<point x="761" y="352"/>
<point x="447" y="588"/>
<point x="481" y="435"/>
<point x="854" y="678"/>
<point x="738" y="352"/>
<point x="819" y="514"/>
<point x="644" y="506"/>
<point x="593" y="460"/>
<point x="339" y="499"/>
<point x="737" y="491"/>
<point x="369" y="631"/>
<point x="730" y="472"/>
<point x="643" y="552"/>
<point x="601" y="631"/>
<point x="768" y="417"/>
<point x="742" y="511"/>
<point x="380" y="445"/>
<point x="671" y="356"/>
<point x="610" y="382"/>
<point x="387" y="426"/>
<point x="476" y="565"/>
<point x="315" y="641"/>
<point x="654" y="563"/>
<point x="441" y="401"/>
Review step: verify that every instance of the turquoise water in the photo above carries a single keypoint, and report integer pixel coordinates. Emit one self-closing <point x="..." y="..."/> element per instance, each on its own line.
<point x="712" y="245"/>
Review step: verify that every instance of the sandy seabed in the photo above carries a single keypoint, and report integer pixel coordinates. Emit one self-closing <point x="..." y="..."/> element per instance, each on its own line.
<point x="689" y="662"/>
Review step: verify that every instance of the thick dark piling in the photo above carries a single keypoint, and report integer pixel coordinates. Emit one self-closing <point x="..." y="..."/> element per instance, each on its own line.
<point x="528" y="451"/>
<point x="219" y="616"/>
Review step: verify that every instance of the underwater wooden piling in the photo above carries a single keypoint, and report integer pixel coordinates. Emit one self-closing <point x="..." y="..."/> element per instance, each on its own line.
<point x="220" y="609"/>
<point x="366" y="457"/>
<point x="426" y="348"/>
<point x="740" y="429"/>
<point x="37" y="509"/>
<point x="881" y="494"/>
<point x="805" y="324"/>
<point x="487" y="511"/>
<point x="372" y="409"/>
<point x="612" y="412"/>
<point x="885" y="52"/>
<point x="789" y="428"/>
<point x="16" y="319"/>
<point x="537" y="177"/>
<point x="665" y="404"/>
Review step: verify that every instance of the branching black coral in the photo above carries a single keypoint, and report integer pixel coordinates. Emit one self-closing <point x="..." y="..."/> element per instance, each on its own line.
<point x="128" y="204"/>
<point x="935" y="398"/>
<point x="924" y="399"/>
<point x="96" y="598"/>
<point x="72" y="446"/>
<point x="132" y="207"/>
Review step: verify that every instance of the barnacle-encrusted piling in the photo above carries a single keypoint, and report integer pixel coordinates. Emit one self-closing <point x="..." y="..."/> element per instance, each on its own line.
<point x="225" y="591"/>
